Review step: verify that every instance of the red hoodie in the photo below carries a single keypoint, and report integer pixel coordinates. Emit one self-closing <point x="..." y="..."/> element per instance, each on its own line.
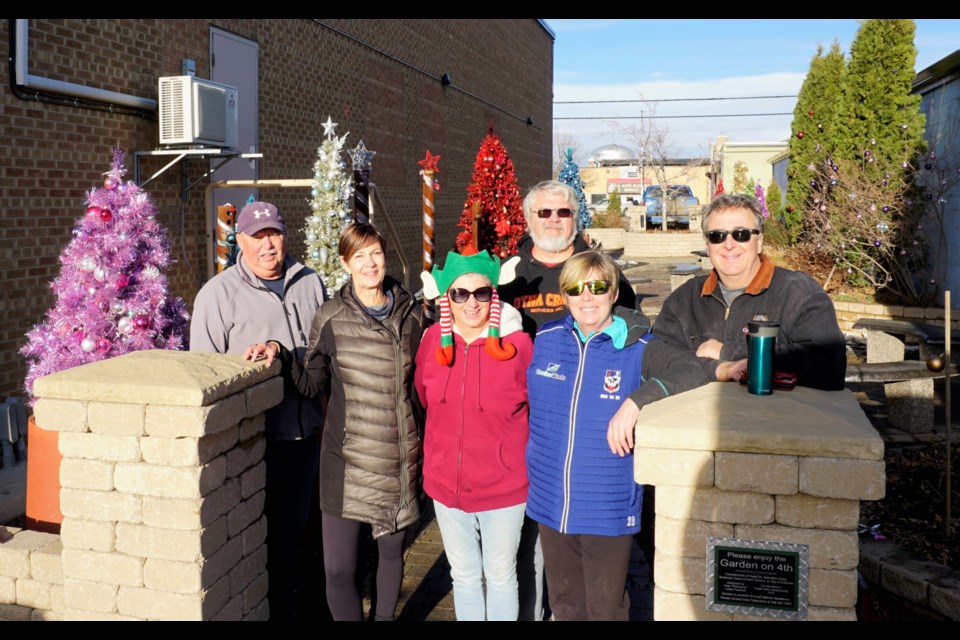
<point x="474" y="454"/>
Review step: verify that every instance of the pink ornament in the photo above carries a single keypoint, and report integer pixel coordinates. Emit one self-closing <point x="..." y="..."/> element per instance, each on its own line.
<point x="106" y="215"/>
<point x="122" y="280"/>
<point x="141" y="322"/>
<point x="110" y="182"/>
<point x="103" y="345"/>
<point x="93" y="211"/>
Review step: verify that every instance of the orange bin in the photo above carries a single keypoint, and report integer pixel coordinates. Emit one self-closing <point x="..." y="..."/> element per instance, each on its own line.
<point x="43" y="479"/>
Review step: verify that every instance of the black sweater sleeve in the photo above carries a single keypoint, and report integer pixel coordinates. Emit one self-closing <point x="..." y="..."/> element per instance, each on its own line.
<point x="667" y="371"/>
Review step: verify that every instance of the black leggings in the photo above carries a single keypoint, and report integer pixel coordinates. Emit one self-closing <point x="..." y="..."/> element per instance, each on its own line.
<point x="341" y="539"/>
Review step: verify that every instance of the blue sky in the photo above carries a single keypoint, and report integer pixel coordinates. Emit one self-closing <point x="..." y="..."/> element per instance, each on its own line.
<point x="671" y="58"/>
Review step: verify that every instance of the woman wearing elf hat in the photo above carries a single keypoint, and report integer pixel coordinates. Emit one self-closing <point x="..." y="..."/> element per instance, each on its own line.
<point x="470" y="375"/>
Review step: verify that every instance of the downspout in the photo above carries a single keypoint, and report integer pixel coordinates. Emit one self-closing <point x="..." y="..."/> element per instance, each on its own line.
<point x="37" y="83"/>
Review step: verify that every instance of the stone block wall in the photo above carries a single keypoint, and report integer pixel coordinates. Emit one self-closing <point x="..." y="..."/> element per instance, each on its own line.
<point x="641" y="244"/>
<point x="611" y="239"/>
<point x="162" y="493"/>
<point x="792" y="468"/>
<point x="849" y="312"/>
<point x="31" y="575"/>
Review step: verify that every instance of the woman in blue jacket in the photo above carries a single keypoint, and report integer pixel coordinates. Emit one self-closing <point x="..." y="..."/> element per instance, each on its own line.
<point x="582" y="492"/>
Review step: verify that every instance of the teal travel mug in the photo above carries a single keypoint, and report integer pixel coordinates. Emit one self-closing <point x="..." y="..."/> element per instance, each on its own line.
<point x="761" y="343"/>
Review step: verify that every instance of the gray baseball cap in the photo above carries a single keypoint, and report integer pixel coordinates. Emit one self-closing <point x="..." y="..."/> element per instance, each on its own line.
<point x="257" y="216"/>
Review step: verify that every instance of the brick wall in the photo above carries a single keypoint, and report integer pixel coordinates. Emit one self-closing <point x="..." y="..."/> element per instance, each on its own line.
<point x="377" y="78"/>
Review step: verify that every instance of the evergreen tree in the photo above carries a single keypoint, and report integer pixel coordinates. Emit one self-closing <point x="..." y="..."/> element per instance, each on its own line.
<point x="495" y="187"/>
<point x="775" y="201"/>
<point x="111" y="295"/>
<point x="570" y="175"/>
<point x="865" y="209"/>
<point x="331" y="192"/>
<point x="879" y="122"/>
<point x="615" y="208"/>
<point x="812" y="124"/>
<point x="741" y="181"/>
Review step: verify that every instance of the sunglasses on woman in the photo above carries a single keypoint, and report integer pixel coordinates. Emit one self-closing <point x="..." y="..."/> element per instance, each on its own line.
<point x="561" y="213"/>
<point x="483" y="294"/>
<point x="596" y="287"/>
<point x="717" y="236"/>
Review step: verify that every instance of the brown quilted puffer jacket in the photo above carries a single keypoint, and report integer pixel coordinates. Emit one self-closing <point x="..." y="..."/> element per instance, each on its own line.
<point x="370" y="453"/>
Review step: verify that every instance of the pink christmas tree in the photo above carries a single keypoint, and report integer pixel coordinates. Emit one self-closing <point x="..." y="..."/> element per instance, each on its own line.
<point x="111" y="294"/>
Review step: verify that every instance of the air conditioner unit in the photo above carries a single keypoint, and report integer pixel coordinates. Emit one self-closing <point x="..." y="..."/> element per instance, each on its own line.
<point x="197" y="112"/>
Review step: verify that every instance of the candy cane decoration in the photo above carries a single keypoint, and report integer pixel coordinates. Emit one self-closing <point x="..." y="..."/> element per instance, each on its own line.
<point x="429" y="164"/>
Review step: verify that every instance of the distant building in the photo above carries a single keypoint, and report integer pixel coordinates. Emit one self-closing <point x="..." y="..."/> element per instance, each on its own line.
<point x="615" y="166"/>
<point x="757" y="156"/>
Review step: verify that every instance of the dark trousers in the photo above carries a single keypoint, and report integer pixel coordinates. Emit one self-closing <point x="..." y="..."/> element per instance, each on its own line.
<point x="341" y="539"/>
<point x="586" y="575"/>
<point x="531" y="585"/>
<point x="291" y="480"/>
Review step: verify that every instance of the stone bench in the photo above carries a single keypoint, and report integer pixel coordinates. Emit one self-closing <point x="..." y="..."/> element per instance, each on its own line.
<point x="909" y="390"/>
<point x="683" y="272"/>
<point x="895" y="371"/>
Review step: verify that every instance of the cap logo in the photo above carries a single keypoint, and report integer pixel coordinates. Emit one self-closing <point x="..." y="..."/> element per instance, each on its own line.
<point x="261" y="212"/>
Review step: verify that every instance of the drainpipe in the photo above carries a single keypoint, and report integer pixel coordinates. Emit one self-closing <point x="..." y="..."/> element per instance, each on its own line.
<point x="38" y="83"/>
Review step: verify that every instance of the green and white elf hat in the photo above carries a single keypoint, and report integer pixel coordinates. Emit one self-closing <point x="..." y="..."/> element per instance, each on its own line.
<point x="437" y="284"/>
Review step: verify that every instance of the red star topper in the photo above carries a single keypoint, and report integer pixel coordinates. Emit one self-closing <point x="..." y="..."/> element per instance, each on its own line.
<point x="430" y="163"/>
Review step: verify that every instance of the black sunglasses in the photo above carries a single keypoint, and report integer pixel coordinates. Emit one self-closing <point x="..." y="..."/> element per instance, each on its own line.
<point x="596" y="287"/>
<point x="717" y="236"/>
<point x="561" y="213"/>
<point x="483" y="294"/>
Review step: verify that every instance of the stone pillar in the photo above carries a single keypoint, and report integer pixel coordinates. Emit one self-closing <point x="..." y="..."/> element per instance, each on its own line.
<point x="162" y="485"/>
<point x="909" y="402"/>
<point x="790" y="467"/>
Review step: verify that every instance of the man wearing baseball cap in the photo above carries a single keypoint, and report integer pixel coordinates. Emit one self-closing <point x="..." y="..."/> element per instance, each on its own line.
<point x="269" y="295"/>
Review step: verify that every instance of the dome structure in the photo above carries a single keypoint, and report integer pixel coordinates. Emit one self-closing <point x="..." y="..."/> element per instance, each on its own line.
<point x="613" y="154"/>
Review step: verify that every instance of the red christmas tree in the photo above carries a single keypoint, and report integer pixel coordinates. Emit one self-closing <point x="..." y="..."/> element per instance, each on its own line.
<point x="495" y="187"/>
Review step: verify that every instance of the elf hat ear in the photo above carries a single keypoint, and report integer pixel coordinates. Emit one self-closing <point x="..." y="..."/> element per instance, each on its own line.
<point x="508" y="270"/>
<point x="430" y="290"/>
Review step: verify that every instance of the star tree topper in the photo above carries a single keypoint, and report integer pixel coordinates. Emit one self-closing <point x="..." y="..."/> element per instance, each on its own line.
<point x="429" y="163"/>
<point x="329" y="128"/>
<point x="361" y="156"/>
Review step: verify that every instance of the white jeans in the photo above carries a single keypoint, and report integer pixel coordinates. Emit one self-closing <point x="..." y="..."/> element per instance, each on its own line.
<point x="482" y="545"/>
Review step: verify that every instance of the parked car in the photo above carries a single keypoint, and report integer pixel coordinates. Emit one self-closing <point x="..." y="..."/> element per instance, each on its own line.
<point x="603" y="205"/>
<point x="680" y="201"/>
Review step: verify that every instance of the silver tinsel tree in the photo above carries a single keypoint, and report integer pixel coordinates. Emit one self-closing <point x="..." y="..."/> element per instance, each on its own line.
<point x="330" y="203"/>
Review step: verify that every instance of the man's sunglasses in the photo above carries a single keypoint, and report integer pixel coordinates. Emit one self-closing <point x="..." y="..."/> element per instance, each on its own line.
<point x="483" y="294"/>
<point x="561" y="213"/>
<point x="717" y="236"/>
<point x="596" y="287"/>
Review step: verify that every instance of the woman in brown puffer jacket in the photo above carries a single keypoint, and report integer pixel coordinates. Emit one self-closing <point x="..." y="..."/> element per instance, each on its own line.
<point x="362" y="346"/>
